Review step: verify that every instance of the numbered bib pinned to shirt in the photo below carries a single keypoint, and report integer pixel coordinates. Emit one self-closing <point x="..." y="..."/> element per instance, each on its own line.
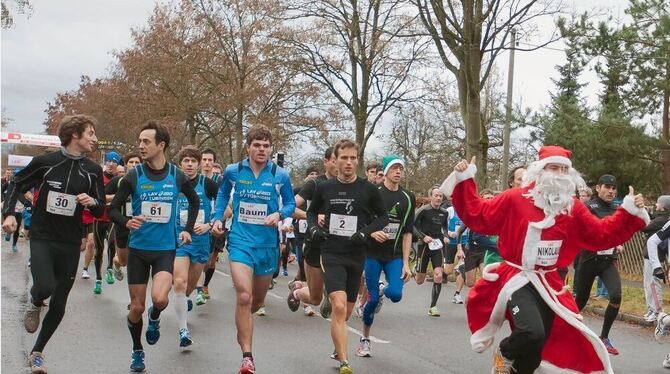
<point x="391" y="230"/>
<point x="129" y="209"/>
<point x="252" y="213"/>
<point x="156" y="212"/>
<point x="547" y="252"/>
<point x="183" y="217"/>
<point x="606" y="252"/>
<point x="343" y="225"/>
<point x="435" y="245"/>
<point x="61" y="203"/>
<point x="302" y="226"/>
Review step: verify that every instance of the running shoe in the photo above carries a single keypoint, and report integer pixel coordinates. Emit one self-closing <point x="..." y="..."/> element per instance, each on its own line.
<point x="84" y="274"/>
<point x="189" y="305"/>
<point x="185" y="338"/>
<point x="247" y="366"/>
<point x="651" y="317"/>
<point x="272" y="284"/>
<point x="137" y="361"/>
<point x="666" y="361"/>
<point x="334" y="355"/>
<point x="205" y="293"/>
<point x="109" y="277"/>
<point x="7" y="237"/>
<point x="610" y="348"/>
<point x="284" y="272"/>
<point x="291" y="283"/>
<point x="98" y="287"/>
<point x="31" y="320"/>
<point x="14" y="248"/>
<point x="457" y="299"/>
<point x="118" y="273"/>
<point x="36" y="362"/>
<point x="325" y="308"/>
<point x="261" y="311"/>
<point x="434" y="312"/>
<point x="382" y="287"/>
<point x="308" y="311"/>
<point x="292" y="300"/>
<point x="358" y="310"/>
<point x="501" y="365"/>
<point x="661" y="331"/>
<point x="647" y="314"/>
<point x="200" y="298"/>
<point x="363" y="349"/>
<point x="345" y="368"/>
<point x="153" y="329"/>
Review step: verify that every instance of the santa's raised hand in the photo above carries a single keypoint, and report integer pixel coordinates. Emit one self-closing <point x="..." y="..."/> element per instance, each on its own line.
<point x="638" y="199"/>
<point x="463" y="165"/>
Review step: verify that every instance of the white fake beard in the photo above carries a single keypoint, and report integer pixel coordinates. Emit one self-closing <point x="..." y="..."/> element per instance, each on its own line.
<point x="554" y="192"/>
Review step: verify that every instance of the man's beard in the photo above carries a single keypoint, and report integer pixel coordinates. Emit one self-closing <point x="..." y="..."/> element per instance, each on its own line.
<point x="554" y="192"/>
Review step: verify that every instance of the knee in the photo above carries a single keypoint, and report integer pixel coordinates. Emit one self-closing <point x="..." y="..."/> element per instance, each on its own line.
<point x="244" y="299"/>
<point x="339" y="307"/>
<point x="615" y="299"/>
<point x="161" y="302"/>
<point x="43" y="292"/>
<point x="180" y="284"/>
<point x="136" y="308"/>
<point x="394" y="294"/>
<point x="535" y="338"/>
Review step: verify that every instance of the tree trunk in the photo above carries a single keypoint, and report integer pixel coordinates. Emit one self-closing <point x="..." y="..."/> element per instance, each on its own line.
<point x="665" y="135"/>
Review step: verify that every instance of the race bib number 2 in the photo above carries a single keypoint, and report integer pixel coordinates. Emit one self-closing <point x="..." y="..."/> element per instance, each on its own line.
<point x="156" y="212"/>
<point x="61" y="203"/>
<point x="343" y="225"/>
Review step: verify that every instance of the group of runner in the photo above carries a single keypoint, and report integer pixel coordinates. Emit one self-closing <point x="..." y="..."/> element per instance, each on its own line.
<point x="169" y="221"/>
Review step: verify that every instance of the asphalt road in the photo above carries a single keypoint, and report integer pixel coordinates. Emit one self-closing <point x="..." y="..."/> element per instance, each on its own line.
<point x="93" y="336"/>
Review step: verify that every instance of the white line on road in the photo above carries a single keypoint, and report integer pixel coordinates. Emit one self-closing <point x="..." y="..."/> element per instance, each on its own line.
<point x="357" y="332"/>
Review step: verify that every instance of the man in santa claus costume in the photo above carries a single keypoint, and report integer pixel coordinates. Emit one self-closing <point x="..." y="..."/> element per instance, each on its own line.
<point x="541" y="226"/>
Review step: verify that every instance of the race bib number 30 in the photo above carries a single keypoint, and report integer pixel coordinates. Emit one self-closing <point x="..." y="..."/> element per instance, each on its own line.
<point x="156" y="212"/>
<point x="547" y="252"/>
<point x="61" y="203"/>
<point x="183" y="217"/>
<point x="342" y="225"/>
<point x="391" y="230"/>
<point x="253" y="213"/>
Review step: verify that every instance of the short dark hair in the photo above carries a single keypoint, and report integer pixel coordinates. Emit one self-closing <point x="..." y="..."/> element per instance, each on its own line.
<point x="343" y="144"/>
<point x="433" y="188"/>
<point x="510" y="177"/>
<point x="189" y="151"/>
<point x="310" y="170"/>
<point x="209" y="151"/>
<point x="259" y="132"/>
<point x="372" y="165"/>
<point x="75" y="124"/>
<point x="130" y="155"/>
<point x="328" y="154"/>
<point x="162" y="134"/>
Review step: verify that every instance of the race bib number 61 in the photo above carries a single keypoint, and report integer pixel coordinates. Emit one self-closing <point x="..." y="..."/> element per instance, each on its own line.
<point x="156" y="212"/>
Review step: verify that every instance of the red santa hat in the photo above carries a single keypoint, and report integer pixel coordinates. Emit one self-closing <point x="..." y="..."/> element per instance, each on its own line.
<point x="553" y="154"/>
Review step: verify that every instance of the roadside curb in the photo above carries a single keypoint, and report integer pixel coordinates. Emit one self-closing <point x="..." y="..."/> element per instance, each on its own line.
<point x="621" y="316"/>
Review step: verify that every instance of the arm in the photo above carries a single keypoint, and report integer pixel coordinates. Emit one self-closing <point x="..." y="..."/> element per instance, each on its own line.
<point x="378" y="209"/>
<point x="123" y="191"/>
<point x="299" y="213"/>
<point x="287" y="198"/>
<point x="193" y="204"/>
<point x="417" y="223"/>
<point x="223" y="195"/>
<point x="97" y="192"/>
<point x="24" y="180"/>
<point x="314" y="209"/>
<point x="653" y="243"/>
<point x="305" y="194"/>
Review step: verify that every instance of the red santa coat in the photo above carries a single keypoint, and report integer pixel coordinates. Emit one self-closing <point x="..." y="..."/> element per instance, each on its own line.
<point x="522" y="228"/>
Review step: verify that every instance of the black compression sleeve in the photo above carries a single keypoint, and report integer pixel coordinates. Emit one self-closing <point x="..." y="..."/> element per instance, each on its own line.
<point x="379" y="210"/>
<point x="211" y="189"/>
<point x="193" y="204"/>
<point x="119" y="200"/>
<point x="314" y="208"/>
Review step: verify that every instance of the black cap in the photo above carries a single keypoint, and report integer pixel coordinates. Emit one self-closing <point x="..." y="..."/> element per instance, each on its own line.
<point x="607" y="179"/>
<point x="310" y="170"/>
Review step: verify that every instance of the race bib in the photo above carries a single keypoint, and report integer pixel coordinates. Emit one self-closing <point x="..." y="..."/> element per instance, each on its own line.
<point x="342" y="225"/>
<point x="392" y="230"/>
<point x="547" y="252"/>
<point x="129" y="209"/>
<point x="61" y="203"/>
<point x="156" y="212"/>
<point x="435" y="245"/>
<point x="302" y="226"/>
<point x="606" y="252"/>
<point x="253" y="213"/>
<point x="183" y="217"/>
<point x="19" y="207"/>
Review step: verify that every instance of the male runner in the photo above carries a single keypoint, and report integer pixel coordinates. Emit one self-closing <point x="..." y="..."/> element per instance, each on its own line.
<point x="191" y="258"/>
<point x="454" y="250"/>
<point x="428" y="224"/>
<point x="68" y="182"/>
<point x="390" y="247"/>
<point x="253" y="242"/>
<point x="353" y="209"/>
<point x="154" y="188"/>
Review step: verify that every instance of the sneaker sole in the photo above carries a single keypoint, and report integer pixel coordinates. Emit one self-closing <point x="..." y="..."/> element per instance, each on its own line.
<point x="185" y="343"/>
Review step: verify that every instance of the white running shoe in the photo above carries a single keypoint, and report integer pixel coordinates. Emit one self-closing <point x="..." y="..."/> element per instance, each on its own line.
<point x="651" y="317"/>
<point x="363" y="349"/>
<point x="457" y="299"/>
<point x="308" y="311"/>
<point x="666" y="361"/>
<point x="661" y="331"/>
<point x="84" y="274"/>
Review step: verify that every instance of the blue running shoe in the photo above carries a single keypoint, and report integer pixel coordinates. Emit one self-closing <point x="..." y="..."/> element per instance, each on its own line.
<point x="153" y="330"/>
<point x="189" y="302"/>
<point x="7" y="237"/>
<point x="185" y="338"/>
<point x="137" y="361"/>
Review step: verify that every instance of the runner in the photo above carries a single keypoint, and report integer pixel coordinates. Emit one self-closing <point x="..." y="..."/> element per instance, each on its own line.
<point x="191" y="258"/>
<point x="653" y="288"/>
<point x="389" y="251"/>
<point x="453" y="250"/>
<point x="68" y="182"/>
<point x="253" y="243"/>
<point x="313" y="293"/>
<point x="657" y="251"/>
<point x="353" y="209"/>
<point x="541" y="226"/>
<point x="428" y="224"/>
<point x="154" y="187"/>
<point x="602" y="263"/>
<point x="22" y="205"/>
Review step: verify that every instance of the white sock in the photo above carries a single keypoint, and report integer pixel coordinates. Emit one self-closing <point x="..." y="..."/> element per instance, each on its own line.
<point x="181" y="308"/>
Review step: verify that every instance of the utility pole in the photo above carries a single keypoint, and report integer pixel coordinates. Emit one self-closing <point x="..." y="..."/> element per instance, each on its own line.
<point x="504" y="168"/>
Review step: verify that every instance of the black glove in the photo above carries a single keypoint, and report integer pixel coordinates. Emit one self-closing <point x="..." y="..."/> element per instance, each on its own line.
<point x="317" y="234"/>
<point x="359" y="239"/>
<point x="660" y="274"/>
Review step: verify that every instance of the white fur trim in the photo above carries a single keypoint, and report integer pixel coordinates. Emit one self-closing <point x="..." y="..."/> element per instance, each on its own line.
<point x="488" y="274"/>
<point x="629" y="206"/>
<point x="555" y="160"/>
<point x="455" y="178"/>
<point x="547" y="367"/>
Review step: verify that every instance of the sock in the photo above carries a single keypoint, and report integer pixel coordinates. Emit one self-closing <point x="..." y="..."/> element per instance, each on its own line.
<point x="155" y="313"/>
<point x="247" y="354"/>
<point x="457" y="293"/>
<point x="85" y="268"/>
<point x="610" y="315"/>
<point x="435" y="294"/>
<point x="136" y="334"/>
<point x="181" y="308"/>
<point x="209" y="273"/>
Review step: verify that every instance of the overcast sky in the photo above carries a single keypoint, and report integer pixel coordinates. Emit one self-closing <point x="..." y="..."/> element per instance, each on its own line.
<point x="63" y="40"/>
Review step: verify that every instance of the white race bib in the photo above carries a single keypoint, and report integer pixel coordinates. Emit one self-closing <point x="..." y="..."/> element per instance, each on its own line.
<point x="253" y="213"/>
<point x="606" y="252"/>
<point x="392" y="230"/>
<point x="435" y="245"/>
<point x="547" y="252"/>
<point x="61" y="203"/>
<point x="302" y="226"/>
<point x="156" y="212"/>
<point x="342" y="225"/>
<point x="183" y="217"/>
<point x="19" y="207"/>
<point x="129" y="209"/>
